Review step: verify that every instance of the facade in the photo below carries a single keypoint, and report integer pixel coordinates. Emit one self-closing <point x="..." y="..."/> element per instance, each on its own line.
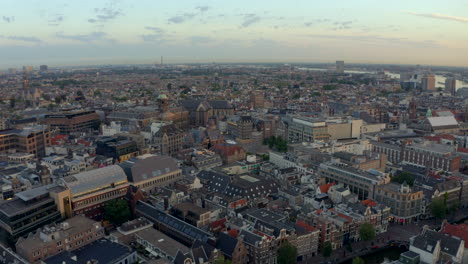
<point x="428" y="154"/>
<point x="168" y="140"/>
<point x="434" y="247"/>
<point x="90" y="190"/>
<point x="229" y="153"/>
<point x="428" y="82"/>
<point x="257" y="99"/>
<point x="192" y="214"/>
<point x="149" y="172"/>
<point x="307" y="130"/>
<point x="240" y="127"/>
<point x="31" y="209"/>
<point x="261" y="249"/>
<point x="340" y="66"/>
<point x="362" y="183"/>
<point x="451" y="86"/>
<point x="159" y="245"/>
<point x="406" y="204"/>
<point x="118" y="150"/>
<point x="77" y="121"/>
<point x="48" y="241"/>
<point x="202" y="111"/>
<point x="33" y="139"/>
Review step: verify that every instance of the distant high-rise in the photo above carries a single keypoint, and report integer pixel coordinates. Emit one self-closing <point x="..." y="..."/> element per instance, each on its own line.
<point x="43" y="68"/>
<point x="340" y="66"/>
<point x="257" y="99"/>
<point x="428" y="82"/>
<point x="27" y="68"/>
<point x="451" y="85"/>
<point x="26" y="91"/>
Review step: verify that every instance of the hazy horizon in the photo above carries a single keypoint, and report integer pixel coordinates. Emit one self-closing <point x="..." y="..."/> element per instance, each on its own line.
<point x="59" y="33"/>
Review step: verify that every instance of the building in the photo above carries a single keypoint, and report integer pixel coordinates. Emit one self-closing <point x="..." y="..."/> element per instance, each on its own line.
<point x="90" y="190"/>
<point x="159" y="245"/>
<point x="340" y="66"/>
<point x="31" y="139"/>
<point x="240" y="127"/>
<point x="192" y="214"/>
<point x="257" y="99"/>
<point x="451" y="86"/>
<point x="73" y="121"/>
<point x="149" y="172"/>
<point x="99" y="251"/>
<point x="233" y="248"/>
<point x="261" y="249"/>
<point x="406" y="204"/>
<point x="362" y="183"/>
<point x="168" y="140"/>
<point x="434" y="247"/>
<point x="440" y="125"/>
<point x="427" y="154"/>
<point x="201" y="111"/>
<point x="48" y="241"/>
<point x="31" y="209"/>
<point x="177" y="229"/>
<point x="229" y="153"/>
<point x="449" y="191"/>
<point x="428" y="82"/>
<point x="118" y="150"/>
<point x="43" y="68"/>
<point x="307" y="130"/>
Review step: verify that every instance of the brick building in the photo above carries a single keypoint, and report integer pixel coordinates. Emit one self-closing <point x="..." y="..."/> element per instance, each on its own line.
<point x="31" y="139"/>
<point x="74" y="121"/>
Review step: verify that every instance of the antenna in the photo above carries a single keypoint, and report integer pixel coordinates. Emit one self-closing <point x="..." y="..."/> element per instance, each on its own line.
<point x="161" y="60"/>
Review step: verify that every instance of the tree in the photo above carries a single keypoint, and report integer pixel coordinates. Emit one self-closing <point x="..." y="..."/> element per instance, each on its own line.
<point x="117" y="211"/>
<point x="97" y="93"/>
<point x="367" y="232"/>
<point x="12" y="102"/>
<point x="358" y="260"/>
<point x="438" y="208"/>
<point x="327" y="249"/>
<point x="79" y="93"/>
<point x="222" y="260"/>
<point x="404" y="177"/>
<point x="287" y="254"/>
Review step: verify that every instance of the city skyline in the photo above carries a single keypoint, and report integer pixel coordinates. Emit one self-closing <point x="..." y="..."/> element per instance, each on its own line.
<point x="119" y="32"/>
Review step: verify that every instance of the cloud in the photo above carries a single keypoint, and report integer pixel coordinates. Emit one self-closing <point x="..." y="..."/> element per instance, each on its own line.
<point x="380" y="40"/>
<point x="8" y="19"/>
<point x="94" y="36"/>
<point x="181" y="18"/>
<point x="250" y="19"/>
<point x="342" y="25"/>
<point x="178" y="19"/>
<point x="316" y="21"/>
<point x="56" y="20"/>
<point x="157" y="35"/>
<point x="105" y="14"/>
<point x="22" y="38"/>
<point x="200" y="39"/>
<point x="440" y="16"/>
<point x="202" y="8"/>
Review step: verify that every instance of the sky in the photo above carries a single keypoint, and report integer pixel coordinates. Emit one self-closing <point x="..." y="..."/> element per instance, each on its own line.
<point x="53" y="32"/>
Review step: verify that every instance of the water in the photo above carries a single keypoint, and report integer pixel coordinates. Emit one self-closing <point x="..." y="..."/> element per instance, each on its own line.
<point x="440" y="80"/>
<point x="378" y="257"/>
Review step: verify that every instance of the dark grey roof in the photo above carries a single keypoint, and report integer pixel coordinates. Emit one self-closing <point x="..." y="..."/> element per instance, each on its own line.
<point x="104" y="251"/>
<point x="249" y="237"/>
<point x="220" y="104"/>
<point x="190" y="105"/>
<point x="147" y="167"/>
<point x="160" y="217"/>
<point x="429" y="239"/>
<point x="227" y="244"/>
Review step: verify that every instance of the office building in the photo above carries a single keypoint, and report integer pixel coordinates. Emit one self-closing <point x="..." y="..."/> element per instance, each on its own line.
<point x="118" y="150"/>
<point x="362" y="183"/>
<point x="257" y="99"/>
<point x="31" y="209"/>
<point x="428" y="82"/>
<point x="48" y="241"/>
<point x="90" y="190"/>
<point x="30" y="139"/>
<point x="340" y="66"/>
<point x="73" y="121"/>
<point x="451" y="86"/>
<point x="240" y="127"/>
<point x="149" y="172"/>
<point x="43" y="68"/>
<point x="405" y="204"/>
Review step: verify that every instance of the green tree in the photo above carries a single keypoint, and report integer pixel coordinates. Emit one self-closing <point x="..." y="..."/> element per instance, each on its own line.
<point x="12" y="103"/>
<point x="327" y="249"/>
<point x="97" y="93"/>
<point x="222" y="260"/>
<point x="358" y="260"/>
<point x="79" y="93"/>
<point x="58" y="100"/>
<point x="287" y="254"/>
<point x="117" y="211"/>
<point x="438" y="208"/>
<point x="367" y="232"/>
<point x="404" y="177"/>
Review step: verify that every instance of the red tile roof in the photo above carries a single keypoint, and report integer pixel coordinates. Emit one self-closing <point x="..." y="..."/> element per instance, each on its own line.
<point x="460" y="231"/>
<point x="324" y="188"/>
<point x="233" y="233"/>
<point x="369" y="203"/>
<point x="303" y="224"/>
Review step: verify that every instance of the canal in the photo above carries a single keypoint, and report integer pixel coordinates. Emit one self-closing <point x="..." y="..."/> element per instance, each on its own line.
<point x="378" y="257"/>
